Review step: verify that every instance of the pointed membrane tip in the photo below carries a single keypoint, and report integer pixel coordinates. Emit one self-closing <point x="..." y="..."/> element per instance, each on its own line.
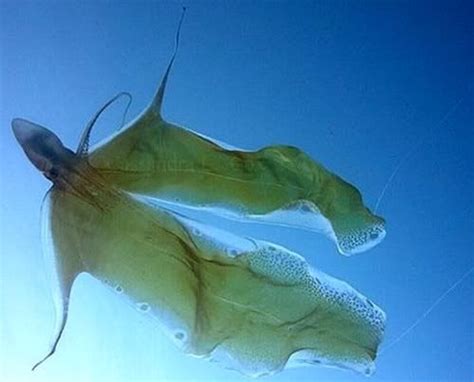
<point x="42" y="360"/>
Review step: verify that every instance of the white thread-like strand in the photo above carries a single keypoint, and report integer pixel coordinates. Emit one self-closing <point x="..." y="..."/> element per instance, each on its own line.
<point x="409" y="153"/>
<point x="428" y="311"/>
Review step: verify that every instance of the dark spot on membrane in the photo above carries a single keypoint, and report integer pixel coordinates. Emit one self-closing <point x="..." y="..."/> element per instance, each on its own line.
<point x="374" y="236"/>
<point x="144" y="307"/>
<point x="305" y="208"/>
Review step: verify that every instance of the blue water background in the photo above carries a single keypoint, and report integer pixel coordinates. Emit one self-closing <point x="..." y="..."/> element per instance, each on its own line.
<point x="356" y="85"/>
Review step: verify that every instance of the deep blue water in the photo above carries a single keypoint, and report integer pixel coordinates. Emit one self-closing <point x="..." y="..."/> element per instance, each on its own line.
<point x="357" y="85"/>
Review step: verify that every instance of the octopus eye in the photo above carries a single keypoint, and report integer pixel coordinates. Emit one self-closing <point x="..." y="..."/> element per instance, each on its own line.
<point x="52" y="174"/>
